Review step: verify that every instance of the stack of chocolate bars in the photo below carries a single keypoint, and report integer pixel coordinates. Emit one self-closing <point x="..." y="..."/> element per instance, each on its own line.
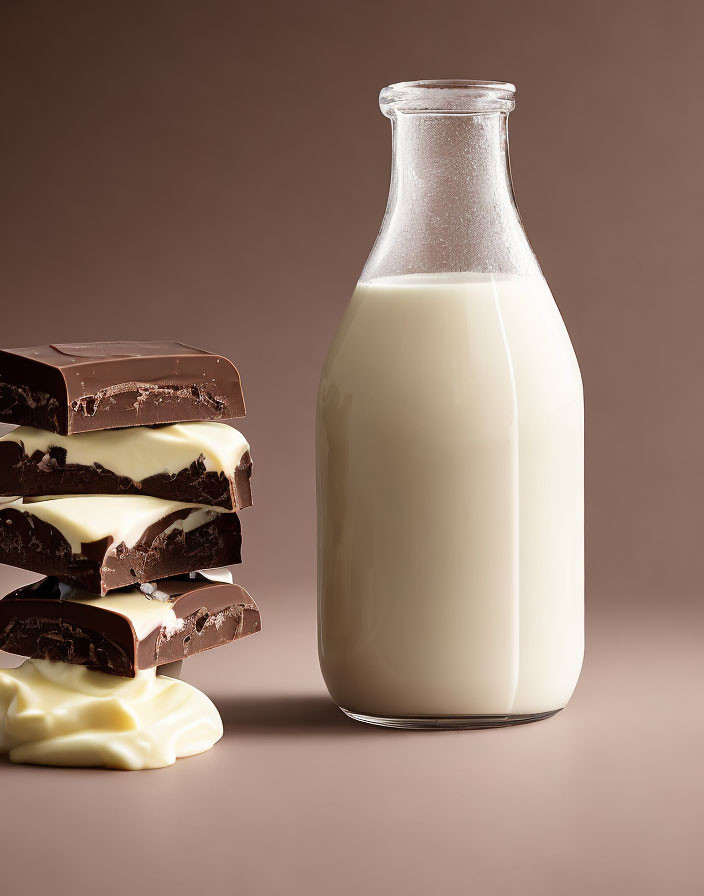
<point x="122" y="489"/>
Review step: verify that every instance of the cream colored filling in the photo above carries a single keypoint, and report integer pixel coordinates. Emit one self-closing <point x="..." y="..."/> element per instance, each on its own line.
<point x="216" y="574"/>
<point x="146" y="614"/>
<point x="60" y="714"/>
<point x="139" y="451"/>
<point x="86" y="518"/>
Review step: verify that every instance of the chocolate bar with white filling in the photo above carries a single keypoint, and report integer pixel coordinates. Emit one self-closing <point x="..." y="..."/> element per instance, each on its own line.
<point x="77" y="387"/>
<point x="128" y="630"/>
<point x="103" y="542"/>
<point x="197" y="463"/>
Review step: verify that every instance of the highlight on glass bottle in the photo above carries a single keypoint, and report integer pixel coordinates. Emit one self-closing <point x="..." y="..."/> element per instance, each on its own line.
<point x="450" y="444"/>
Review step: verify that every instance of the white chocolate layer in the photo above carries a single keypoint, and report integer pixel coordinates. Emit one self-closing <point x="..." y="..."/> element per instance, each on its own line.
<point x="146" y="614"/>
<point x="217" y="574"/>
<point x="86" y="518"/>
<point x="59" y="714"/>
<point x="140" y="451"/>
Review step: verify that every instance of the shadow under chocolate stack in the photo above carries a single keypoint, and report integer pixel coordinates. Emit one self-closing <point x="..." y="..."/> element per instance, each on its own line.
<point x="122" y="488"/>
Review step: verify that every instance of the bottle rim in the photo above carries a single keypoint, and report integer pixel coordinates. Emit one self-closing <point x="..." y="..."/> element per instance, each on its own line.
<point x="447" y="97"/>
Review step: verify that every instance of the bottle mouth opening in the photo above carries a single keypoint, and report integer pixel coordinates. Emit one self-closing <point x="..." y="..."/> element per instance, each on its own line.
<point x="452" y="97"/>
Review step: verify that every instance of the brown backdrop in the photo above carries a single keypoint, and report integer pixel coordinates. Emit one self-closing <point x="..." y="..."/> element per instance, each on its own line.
<point x="216" y="172"/>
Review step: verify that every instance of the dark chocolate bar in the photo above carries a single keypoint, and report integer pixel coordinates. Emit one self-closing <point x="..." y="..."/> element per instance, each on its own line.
<point x="33" y="464"/>
<point x="77" y="387"/>
<point x="100" y="543"/>
<point x="128" y="630"/>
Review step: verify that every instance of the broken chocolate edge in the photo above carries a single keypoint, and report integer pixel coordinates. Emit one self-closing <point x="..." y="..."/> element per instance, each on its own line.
<point x="63" y="630"/>
<point x="31" y="476"/>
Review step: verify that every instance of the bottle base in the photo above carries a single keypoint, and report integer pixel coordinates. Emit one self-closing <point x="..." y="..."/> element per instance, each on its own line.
<point x="448" y="723"/>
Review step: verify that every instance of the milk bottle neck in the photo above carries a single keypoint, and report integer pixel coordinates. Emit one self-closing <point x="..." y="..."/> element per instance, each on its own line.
<point x="451" y="204"/>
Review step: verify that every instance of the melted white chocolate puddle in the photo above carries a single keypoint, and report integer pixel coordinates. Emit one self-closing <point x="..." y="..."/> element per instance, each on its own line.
<point x="60" y="714"/>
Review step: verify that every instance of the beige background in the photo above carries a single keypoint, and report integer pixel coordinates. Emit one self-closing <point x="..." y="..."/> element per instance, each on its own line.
<point x="216" y="172"/>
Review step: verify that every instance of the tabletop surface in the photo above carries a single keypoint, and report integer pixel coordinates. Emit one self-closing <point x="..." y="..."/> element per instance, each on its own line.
<point x="605" y="797"/>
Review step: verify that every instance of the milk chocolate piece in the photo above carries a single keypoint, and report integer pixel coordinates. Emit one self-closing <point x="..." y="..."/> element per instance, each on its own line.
<point x="99" y="545"/>
<point x="77" y="387"/>
<point x="47" y="470"/>
<point x="128" y="630"/>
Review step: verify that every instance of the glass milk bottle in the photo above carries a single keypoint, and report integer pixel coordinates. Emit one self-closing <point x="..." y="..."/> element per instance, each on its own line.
<point x="450" y="444"/>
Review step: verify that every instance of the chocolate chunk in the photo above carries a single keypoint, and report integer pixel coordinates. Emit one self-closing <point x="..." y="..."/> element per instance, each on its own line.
<point x="101" y="543"/>
<point x="127" y="630"/>
<point x="70" y="388"/>
<point x="48" y="473"/>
